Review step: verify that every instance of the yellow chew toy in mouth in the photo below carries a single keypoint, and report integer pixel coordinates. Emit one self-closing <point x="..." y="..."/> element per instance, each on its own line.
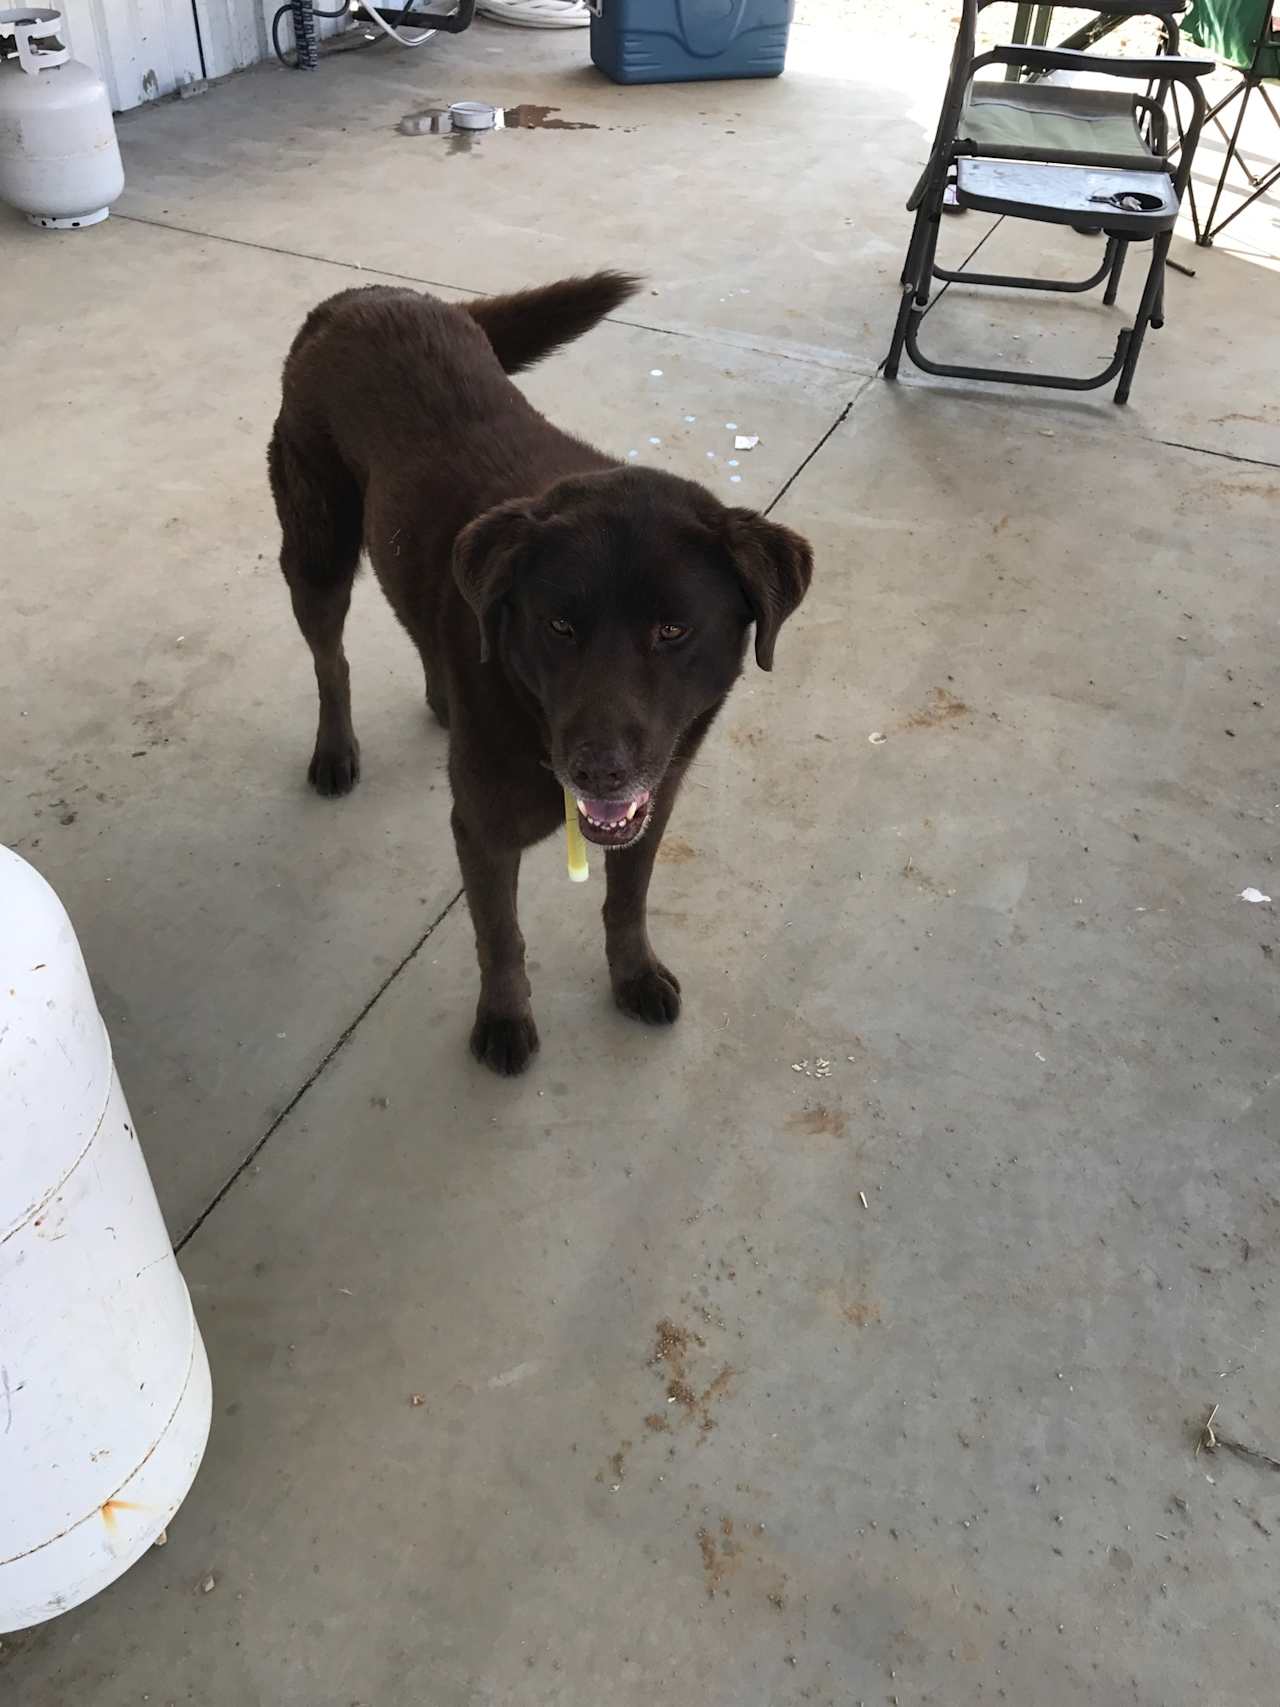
<point x="577" y="848"/>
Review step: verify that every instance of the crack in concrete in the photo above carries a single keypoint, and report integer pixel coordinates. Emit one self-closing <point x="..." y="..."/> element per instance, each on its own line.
<point x="805" y="460"/>
<point x="330" y="1054"/>
<point x="1206" y="450"/>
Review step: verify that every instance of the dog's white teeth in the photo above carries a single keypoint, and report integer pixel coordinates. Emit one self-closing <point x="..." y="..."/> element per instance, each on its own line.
<point x="631" y="811"/>
<point x="582" y="807"/>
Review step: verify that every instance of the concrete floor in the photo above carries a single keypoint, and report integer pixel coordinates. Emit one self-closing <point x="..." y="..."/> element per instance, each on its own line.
<point x="939" y="1448"/>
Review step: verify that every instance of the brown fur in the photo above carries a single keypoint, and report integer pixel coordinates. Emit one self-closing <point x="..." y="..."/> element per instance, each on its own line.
<point x="579" y="622"/>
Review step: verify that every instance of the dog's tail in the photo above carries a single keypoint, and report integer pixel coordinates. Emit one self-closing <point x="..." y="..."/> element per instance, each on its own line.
<point x="529" y="324"/>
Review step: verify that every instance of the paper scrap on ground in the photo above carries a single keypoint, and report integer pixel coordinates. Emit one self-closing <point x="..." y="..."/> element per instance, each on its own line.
<point x="1254" y="895"/>
<point x="746" y="441"/>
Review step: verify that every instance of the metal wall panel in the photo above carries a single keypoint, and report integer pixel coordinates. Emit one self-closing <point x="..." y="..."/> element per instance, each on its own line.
<point x="141" y="49"/>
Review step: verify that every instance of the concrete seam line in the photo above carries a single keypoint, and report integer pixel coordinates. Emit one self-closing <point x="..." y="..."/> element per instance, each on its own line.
<point x="375" y="273"/>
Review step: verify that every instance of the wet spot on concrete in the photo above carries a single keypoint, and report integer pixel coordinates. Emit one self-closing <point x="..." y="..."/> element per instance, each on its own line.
<point x="530" y="117"/>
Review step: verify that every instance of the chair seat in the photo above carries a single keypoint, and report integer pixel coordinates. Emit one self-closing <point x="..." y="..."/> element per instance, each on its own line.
<point x="1069" y="195"/>
<point x="1042" y="115"/>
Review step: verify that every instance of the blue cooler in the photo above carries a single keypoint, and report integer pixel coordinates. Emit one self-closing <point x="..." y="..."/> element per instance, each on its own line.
<point x="685" y="41"/>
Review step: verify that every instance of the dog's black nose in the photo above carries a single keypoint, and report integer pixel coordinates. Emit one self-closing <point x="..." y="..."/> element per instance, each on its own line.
<point x="600" y="773"/>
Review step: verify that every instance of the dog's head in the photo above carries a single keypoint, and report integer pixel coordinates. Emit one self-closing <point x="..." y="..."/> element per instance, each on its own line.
<point x="621" y="601"/>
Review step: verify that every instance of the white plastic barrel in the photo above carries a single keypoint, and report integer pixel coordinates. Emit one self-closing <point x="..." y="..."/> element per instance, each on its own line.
<point x="104" y="1384"/>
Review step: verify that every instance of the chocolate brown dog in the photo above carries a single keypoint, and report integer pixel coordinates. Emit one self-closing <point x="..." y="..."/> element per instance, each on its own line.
<point x="580" y="622"/>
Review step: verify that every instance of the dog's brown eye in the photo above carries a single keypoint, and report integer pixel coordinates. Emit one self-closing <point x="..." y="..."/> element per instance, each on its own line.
<point x="559" y="626"/>
<point x="672" y="631"/>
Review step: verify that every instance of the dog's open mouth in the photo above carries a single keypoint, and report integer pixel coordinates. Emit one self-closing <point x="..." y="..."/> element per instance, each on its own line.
<point x="615" y="823"/>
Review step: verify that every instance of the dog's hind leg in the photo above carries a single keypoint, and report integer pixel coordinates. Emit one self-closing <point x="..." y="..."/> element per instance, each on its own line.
<point x="320" y="512"/>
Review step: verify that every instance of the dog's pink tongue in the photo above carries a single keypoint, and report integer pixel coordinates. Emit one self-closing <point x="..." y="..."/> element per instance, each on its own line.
<point x="605" y="811"/>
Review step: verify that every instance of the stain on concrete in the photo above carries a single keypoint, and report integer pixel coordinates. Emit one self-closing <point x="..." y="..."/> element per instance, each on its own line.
<point x="671" y="1353"/>
<point x="720" y="1554"/>
<point x="817" y="1120"/>
<point x="674" y="851"/>
<point x="941" y="708"/>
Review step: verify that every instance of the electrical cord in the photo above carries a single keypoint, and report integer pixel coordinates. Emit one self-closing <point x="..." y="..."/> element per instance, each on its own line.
<point x="281" y="14"/>
<point x="393" y="30"/>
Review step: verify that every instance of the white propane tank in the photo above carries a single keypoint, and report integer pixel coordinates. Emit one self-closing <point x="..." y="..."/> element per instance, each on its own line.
<point x="59" y="158"/>
<point x="104" y="1384"/>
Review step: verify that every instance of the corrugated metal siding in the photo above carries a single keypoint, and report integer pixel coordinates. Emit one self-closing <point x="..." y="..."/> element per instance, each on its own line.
<point x="233" y="33"/>
<point x="144" y="49"/>
<point x="237" y="33"/>
<point x="141" y="49"/>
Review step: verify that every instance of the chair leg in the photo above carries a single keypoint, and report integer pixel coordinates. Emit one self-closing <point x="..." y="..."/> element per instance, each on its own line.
<point x="1152" y="293"/>
<point x="1119" y="250"/>
<point x="917" y="237"/>
<point x="906" y="308"/>
<point x="1191" y="185"/>
<point x="924" y="273"/>
<point x="917" y="271"/>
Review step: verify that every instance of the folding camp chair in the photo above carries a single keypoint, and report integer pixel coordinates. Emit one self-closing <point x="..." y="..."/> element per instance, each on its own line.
<point x="1059" y="156"/>
<point x="1246" y="34"/>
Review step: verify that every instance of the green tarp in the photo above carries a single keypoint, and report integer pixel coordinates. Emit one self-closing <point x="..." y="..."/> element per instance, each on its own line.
<point x="1232" y="29"/>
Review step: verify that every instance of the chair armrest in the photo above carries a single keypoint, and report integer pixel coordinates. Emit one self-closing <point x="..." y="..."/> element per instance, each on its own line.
<point x="1154" y="163"/>
<point x="1168" y="67"/>
<point x="1116" y="8"/>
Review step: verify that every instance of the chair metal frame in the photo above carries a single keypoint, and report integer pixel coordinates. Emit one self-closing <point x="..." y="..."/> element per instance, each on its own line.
<point x="1251" y="80"/>
<point x="1120" y="226"/>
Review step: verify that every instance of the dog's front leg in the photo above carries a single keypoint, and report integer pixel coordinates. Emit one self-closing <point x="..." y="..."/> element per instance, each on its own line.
<point x="504" y="1036"/>
<point x="642" y="985"/>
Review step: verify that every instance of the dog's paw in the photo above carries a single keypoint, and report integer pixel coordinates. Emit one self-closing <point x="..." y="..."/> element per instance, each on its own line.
<point x="505" y="1043"/>
<point x="335" y="770"/>
<point x="652" y="995"/>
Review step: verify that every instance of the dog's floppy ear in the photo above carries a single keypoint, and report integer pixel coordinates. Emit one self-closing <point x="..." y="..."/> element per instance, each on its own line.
<point x="775" y="567"/>
<point x="486" y="556"/>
